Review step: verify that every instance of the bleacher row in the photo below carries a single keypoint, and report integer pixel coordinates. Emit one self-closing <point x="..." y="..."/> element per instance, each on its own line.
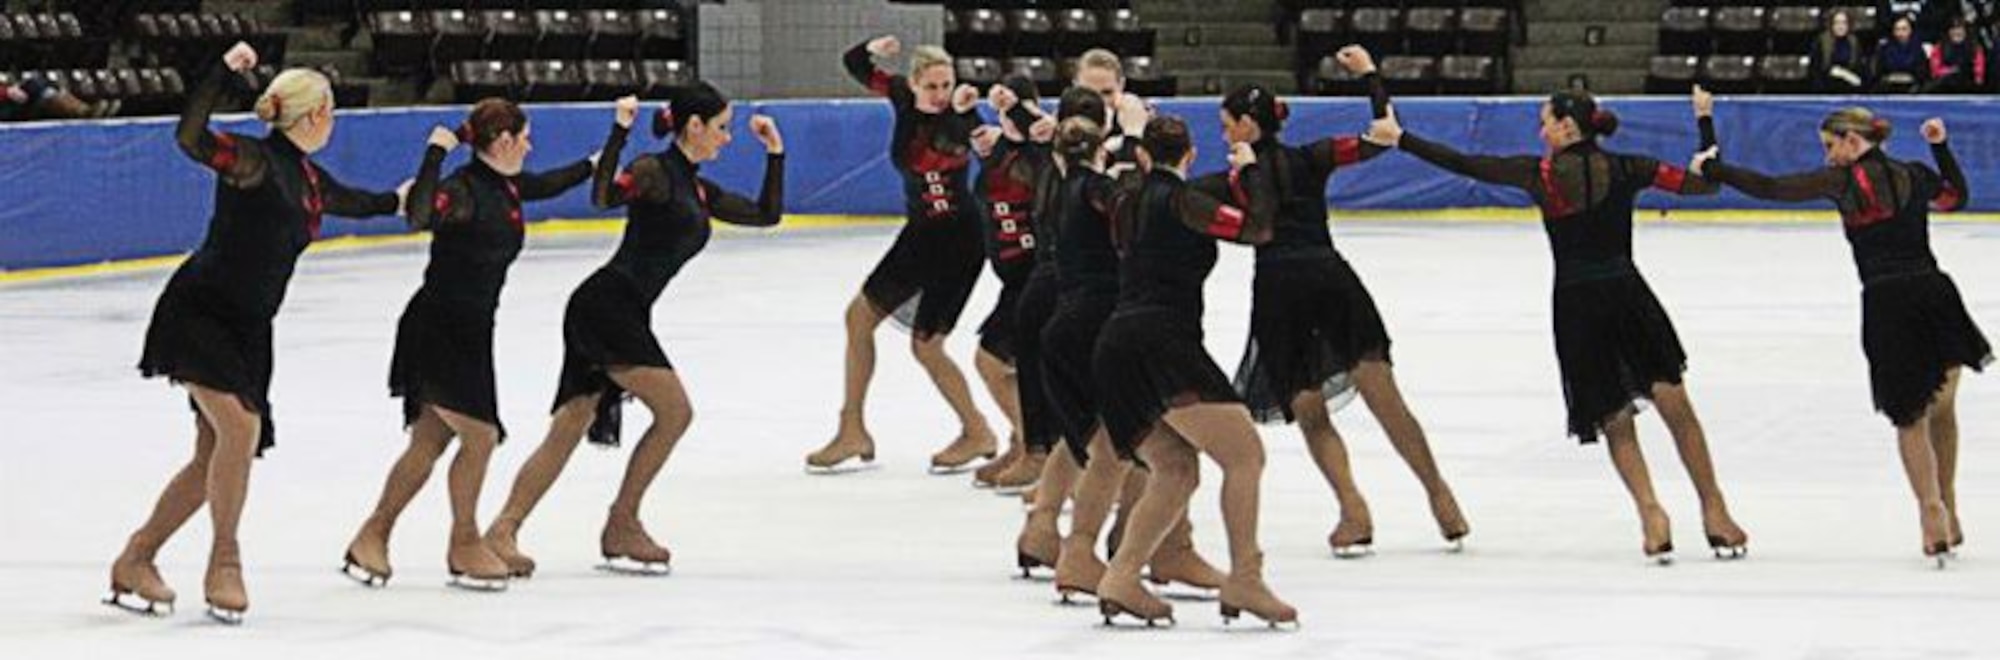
<point x="430" y="44"/>
<point x="1737" y="48"/>
<point x="161" y="52"/>
<point x="1043" y="40"/>
<point x="1421" y="49"/>
<point x="1756" y="30"/>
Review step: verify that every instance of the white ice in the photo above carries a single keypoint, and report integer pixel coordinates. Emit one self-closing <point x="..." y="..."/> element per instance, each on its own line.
<point x="772" y="563"/>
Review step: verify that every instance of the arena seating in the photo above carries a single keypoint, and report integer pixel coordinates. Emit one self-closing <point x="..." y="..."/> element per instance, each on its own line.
<point x="1422" y="46"/>
<point x="555" y="54"/>
<point x="1748" y="48"/>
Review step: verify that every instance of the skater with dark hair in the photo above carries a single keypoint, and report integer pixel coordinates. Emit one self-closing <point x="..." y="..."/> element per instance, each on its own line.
<point x="609" y="348"/>
<point x="1315" y="333"/>
<point x="1615" y="345"/>
<point x="443" y="365"/>
<point x="1162" y="398"/>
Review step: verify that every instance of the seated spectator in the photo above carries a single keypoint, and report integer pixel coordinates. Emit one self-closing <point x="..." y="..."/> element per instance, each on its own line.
<point x="1836" y="58"/>
<point x="1901" y="65"/>
<point x="1958" y="64"/>
<point x="36" y="99"/>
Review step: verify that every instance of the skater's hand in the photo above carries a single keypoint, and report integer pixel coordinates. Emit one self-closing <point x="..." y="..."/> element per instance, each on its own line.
<point x="1386" y="132"/>
<point x="964" y="98"/>
<point x="1043" y="130"/>
<point x="1002" y="98"/>
<point x="1933" y="131"/>
<point x="628" y="111"/>
<point x="1241" y="155"/>
<point x="1132" y="114"/>
<point x="887" y="46"/>
<point x="240" y="58"/>
<point x="403" y="195"/>
<point x="1704" y="102"/>
<point x="443" y="138"/>
<point x="1356" y="60"/>
<point x="1699" y="165"/>
<point x="766" y="130"/>
<point x="983" y="139"/>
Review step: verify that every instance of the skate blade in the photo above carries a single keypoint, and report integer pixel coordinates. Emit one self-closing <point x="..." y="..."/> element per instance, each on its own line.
<point x="1070" y="597"/>
<point x="949" y="470"/>
<point x="477" y="584"/>
<point x="1355" y="551"/>
<point x="365" y="577"/>
<point x="1731" y="553"/>
<point x="1113" y="613"/>
<point x="632" y="567"/>
<point x="1663" y="558"/>
<point x="136" y="604"/>
<point x="1012" y="490"/>
<point x="1943" y="560"/>
<point x="224" y="616"/>
<point x="849" y="466"/>
<point x="1230" y="615"/>
<point x="1455" y="546"/>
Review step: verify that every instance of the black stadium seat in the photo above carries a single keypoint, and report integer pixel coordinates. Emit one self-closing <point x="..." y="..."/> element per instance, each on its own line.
<point x="1785" y="74"/>
<point x="609" y="79"/>
<point x="1672" y="74"/>
<point x="1730" y="74"/>
<point x="614" y="33"/>
<point x="658" y="76"/>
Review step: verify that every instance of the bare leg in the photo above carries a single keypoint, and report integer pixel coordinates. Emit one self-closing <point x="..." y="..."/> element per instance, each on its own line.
<point x="1356" y="530"/>
<point x="1225" y="433"/>
<point x="1723" y="533"/>
<point x="566" y="431"/>
<point x="1376" y="381"/>
<point x="1623" y="437"/>
<point x="975" y="439"/>
<point x="1921" y="466"/>
<point x="468" y="554"/>
<point x="1128" y="499"/>
<point x="1001" y="384"/>
<point x="1175" y="475"/>
<point x="852" y="440"/>
<point x="661" y="390"/>
<point x="368" y="554"/>
<point x="237" y="428"/>
<point x="1040" y="542"/>
<point x="1944" y="444"/>
<point x="134" y="572"/>
<point x="1078" y="569"/>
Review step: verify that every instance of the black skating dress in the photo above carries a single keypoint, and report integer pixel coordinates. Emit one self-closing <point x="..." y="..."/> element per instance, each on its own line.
<point x="1006" y="191"/>
<point x="1087" y="292"/>
<point x="609" y="319"/>
<point x="444" y="342"/>
<point x="928" y="274"/>
<point x="1149" y="356"/>
<point x="1613" y="340"/>
<point x="212" y="324"/>
<point x="1914" y="325"/>
<point x="1311" y="319"/>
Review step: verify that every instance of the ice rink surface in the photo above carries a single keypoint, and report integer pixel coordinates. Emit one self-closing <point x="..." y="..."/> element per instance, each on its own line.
<point x="895" y="563"/>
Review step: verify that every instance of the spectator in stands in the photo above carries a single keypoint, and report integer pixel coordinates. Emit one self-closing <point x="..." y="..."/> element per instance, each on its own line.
<point x="1958" y="64"/>
<point x="1901" y="65"/>
<point x="1836" y="57"/>
<point x="37" y="99"/>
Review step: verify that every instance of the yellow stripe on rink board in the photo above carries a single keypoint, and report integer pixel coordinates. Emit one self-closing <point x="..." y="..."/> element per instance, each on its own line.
<point x="615" y="226"/>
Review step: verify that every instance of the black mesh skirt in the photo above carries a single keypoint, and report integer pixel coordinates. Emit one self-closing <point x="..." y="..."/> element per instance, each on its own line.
<point x="192" y="340"/>
<point x="1914" y="329"/>
<point x="1036" y="307"/>
<point x="1311" y="321"/>
<point x="444" y="358"/>
<point x="928" y="274"/>
<point x="999" y="334"/>
<point x="1069" y="343"/>
<point x="608" y="324"/>
<point x="1613" y="343"/>
<point x="1149" y="361"/>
